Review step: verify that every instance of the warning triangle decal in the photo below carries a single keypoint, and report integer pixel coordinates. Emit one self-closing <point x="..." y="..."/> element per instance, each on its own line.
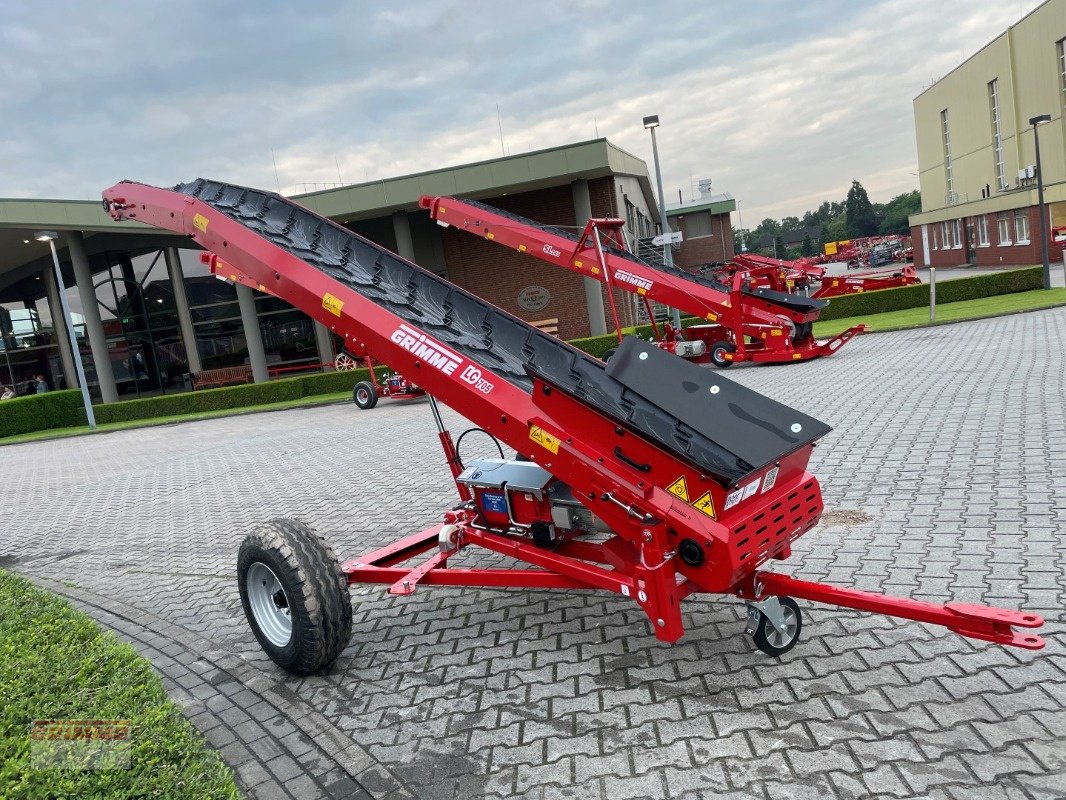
<point x="679" y="488"/>
<point x="706" y="505"/>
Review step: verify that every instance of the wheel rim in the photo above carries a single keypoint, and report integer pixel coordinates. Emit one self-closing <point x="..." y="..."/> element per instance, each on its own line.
<point x="270" y="604"/>
<point x="344" y="363"/>
<point x="783" y="638"/>
<point x="363" y="396"/>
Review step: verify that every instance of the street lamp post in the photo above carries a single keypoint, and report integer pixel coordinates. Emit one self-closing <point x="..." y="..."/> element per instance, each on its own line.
<point x="651" y="123"/>
<point x="1034" y="121"/>
<point x="50" y="237"/>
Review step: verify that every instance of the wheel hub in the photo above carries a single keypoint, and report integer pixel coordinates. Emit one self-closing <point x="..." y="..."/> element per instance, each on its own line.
<point x="269" y="604"/>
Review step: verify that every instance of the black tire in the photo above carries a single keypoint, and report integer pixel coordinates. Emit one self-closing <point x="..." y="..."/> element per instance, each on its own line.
<point x="802" y="332"/>
<point x="315" y="594"/>
<point x="718" y="351"/>
<point x="766" y="636"/>
<point x="365" y="395"/>
<point x="608" y="353"/>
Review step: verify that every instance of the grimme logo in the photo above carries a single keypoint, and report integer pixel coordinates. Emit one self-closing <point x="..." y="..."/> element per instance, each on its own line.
<point x="472" y="375"/>
<point x="630" y="278"/>
<point x="552" y="251"/>
<point x="434" y="354"/>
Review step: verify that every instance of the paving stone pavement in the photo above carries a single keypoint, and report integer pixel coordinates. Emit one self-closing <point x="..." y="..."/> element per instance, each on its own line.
<point x="945" y="477"/>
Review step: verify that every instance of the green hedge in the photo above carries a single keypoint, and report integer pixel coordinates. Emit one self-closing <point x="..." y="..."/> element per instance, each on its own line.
<point x="859" y="305"/>
<point x="249" y="394"/>
<point x="38" y="412"/>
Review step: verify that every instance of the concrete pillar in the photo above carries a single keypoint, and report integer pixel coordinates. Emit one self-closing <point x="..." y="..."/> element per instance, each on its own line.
<point x="55" y="310"/>
<point x="593" y="288"/>
<point x="405" y="243"/>
<point x="83" y="276"/>
<point x="252" y="335"/>
<point x="181" y="303"/>
<point x="325" y="344"/>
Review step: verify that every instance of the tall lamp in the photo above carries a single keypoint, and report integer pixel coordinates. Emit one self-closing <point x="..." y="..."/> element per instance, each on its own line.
<point x="50" y="237"/>
<point x="1035" y="121"/>
<point x="651" y="123"/>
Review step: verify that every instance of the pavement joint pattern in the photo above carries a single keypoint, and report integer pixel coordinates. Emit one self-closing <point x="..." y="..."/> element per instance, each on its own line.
<point x="945" y="478"/>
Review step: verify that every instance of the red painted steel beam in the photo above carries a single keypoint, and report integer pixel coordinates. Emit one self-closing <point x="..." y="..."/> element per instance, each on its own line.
<point x="974" y="621"/>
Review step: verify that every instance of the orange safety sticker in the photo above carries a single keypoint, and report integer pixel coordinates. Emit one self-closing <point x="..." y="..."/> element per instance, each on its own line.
<point x="332" y="304"/>
<point x="544" y="439"/>
<point x="679" y="488"/>
<point x="706" y="505"/>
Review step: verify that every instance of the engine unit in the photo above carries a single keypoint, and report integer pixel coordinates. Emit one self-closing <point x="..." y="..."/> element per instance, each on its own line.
<point x="519" y="495"/>
<point x="693" y="348"/>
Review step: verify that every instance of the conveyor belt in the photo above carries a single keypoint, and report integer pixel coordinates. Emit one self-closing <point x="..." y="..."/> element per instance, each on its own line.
<point x="784" y="299"/>
<point x="496" y="340"/>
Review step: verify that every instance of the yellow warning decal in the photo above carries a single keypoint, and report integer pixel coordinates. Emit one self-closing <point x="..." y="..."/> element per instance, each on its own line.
<point x="775" y="332"/>
<point x="201" y="222"/>
<point x="521" y="248"/>
<point x="712" y="317"/>
<point x="544" y="439"/>
<point x="641" y="290"/>
<point x="577" y="263"/>
<point x="797" y="356"/>
<point x="679" y="488"/>
<point x="595" y="270"/>
<point x="706" y="505"/>
<point x="490" y="235"/>
<point x="332" y="304"/>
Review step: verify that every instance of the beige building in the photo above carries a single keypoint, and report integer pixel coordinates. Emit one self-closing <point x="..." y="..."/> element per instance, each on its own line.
<point x="976" y="153"/>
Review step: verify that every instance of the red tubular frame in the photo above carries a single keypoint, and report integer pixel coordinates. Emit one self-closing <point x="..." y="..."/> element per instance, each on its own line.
<point x="578" y="446"/>
<point x="760" y="330"/>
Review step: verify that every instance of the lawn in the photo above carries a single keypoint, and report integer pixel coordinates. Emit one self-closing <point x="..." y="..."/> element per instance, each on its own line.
<point x="56" y="664"/>
<point x="948" y="312"/>
<point x="55" y="433"/>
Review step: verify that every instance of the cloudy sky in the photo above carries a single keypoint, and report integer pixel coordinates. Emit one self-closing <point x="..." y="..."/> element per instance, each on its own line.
<point x="780" y="103"/>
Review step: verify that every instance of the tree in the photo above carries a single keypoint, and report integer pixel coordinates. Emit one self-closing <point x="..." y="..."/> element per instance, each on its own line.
<point x="897" y="210"/>
<point x="860" y="217"/>
<point x="807" y="248"/>
<point x="780" y="251"/>
<point x="836" y="230"/>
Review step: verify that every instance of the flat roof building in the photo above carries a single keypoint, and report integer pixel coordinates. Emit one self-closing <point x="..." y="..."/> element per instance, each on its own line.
<point x="976" y="153"/>
<point x="148" y="313"/>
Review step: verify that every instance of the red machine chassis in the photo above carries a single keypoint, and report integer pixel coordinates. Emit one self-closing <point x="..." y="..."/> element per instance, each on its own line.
<point x="578" y="446"/>
<point x="755" y="329"/>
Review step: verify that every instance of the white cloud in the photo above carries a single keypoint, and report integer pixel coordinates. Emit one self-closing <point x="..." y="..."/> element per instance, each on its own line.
<point x="782" y="104"/>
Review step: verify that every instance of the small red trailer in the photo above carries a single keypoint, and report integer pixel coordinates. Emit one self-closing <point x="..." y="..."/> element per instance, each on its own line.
<point x="647" y="477"/>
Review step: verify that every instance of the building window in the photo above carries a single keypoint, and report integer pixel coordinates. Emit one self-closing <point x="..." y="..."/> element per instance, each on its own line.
<point x="1021" y="226"/>
<point x="1061" y="45"/>
<point x="956" y="233"/>
<point x="945" y="235"/>
<point x="1004" y="228"/>
<point x="945" y="133"/>
<point x="982" y="230"/>
<point x="698" y="225"/>
<point x="997" y="134"/>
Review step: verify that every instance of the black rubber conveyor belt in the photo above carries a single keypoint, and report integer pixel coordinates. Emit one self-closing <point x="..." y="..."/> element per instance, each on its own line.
<point x="504" y="344"/>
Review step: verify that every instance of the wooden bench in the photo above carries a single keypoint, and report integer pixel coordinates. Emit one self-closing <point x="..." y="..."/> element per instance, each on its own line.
<point x="225" y="376"/>
<point x="550" y="326"/>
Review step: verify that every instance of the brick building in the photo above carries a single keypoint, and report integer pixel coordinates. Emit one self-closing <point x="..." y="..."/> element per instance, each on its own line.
<point x="707" y="232"/>
<point x="147" y="312"/>
<point x="976" y="151"/>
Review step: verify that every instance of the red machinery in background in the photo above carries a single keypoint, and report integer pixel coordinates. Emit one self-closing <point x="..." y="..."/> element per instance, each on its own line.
<point x="750" y="323"/>
<point x="365" y="394"/>
<point x="811" y="279"/>
<point x="647" y="477"/>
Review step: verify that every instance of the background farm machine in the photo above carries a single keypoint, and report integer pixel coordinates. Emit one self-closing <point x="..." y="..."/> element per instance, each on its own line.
<point x="647" y="476"/>
<point x="747" y="323"/>
<point x="365" y="394"/>
<point x="806" y="277"/>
